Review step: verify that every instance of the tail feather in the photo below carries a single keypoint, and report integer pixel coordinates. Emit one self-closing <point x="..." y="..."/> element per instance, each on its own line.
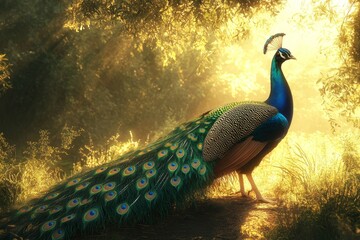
<point x="132" y="189"/>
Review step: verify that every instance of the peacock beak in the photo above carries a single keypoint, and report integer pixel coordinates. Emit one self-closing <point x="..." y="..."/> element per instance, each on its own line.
<point x="292" y="57"/>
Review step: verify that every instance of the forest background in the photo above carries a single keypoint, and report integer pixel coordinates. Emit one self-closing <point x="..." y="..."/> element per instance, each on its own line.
<point x="83" y="81"/>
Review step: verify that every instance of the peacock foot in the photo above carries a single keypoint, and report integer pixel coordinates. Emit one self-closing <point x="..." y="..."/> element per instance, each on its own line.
<point x="260" y="198"/>
<point x="242" y="193"/>
<point x="265" y="200"/>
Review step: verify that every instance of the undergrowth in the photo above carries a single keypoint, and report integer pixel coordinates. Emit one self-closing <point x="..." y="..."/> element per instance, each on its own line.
<point x="319" y="194"/>
<point x="40" y="166"/>
<point x="314" y="179"/>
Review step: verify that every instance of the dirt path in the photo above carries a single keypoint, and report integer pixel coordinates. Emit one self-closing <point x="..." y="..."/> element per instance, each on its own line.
<point x="231" y="217"/>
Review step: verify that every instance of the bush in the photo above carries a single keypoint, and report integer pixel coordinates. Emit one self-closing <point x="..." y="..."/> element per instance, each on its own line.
<point x="320" y="203"/>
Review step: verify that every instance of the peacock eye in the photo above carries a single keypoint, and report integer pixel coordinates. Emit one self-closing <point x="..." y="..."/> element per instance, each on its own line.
<point x="281" y="55"/>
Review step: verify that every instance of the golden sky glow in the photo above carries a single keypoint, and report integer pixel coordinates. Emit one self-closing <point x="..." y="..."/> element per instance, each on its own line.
<point x="311" y="37"/>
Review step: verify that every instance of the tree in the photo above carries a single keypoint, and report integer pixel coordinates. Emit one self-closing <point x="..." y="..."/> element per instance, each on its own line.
<point x="341" y="88"/>
<point x="102" y="65"/>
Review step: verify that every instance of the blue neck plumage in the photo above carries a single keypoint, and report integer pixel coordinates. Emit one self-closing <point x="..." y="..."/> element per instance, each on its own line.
<point x="280" y="95"/>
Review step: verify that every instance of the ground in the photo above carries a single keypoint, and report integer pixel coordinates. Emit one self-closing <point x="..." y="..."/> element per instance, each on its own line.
<point x="231" y="217"/>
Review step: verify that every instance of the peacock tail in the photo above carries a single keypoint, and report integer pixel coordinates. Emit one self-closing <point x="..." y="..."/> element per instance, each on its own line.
<point x="134" y="188"/>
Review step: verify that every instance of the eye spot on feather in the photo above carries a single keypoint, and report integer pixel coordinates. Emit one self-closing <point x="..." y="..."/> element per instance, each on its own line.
<point x="185" y="168"/>
<point x="73" y="203"/>
<point x="52" y="196"/>
<point x="91" y="215"/>
<point x="200" y="146"/>
<point x="148" y="165"/>
<point x="73" y="182"/>
<point x="68" y="218"/>
<point x="58" y="234"/>
<point x="100" y="170"/>
<point x="180" y="153"/>
<point x="123" y="208"/>
<point x="55" y="209"/>
<point x="192" y="137"/>
<point x="24" y="210"/>
<point x="167" y="144"/>
<point x="202" y="130"/>
<point x="163" y="153"/>
<point x="113" y="171"/>
<point x="109" y="196"/>
<point x="41" y="209"/>
<point x="85" y="201"/>
<point x="172" y="167"/>
<point x="150" y="173"/>
<point x="175" y="181"/>
<point x="195" y="163"/>
<point x="49" y="225"/>
<point x="141" y="183"/>
<point x="82" y="186"/>
<point x="174" y="146"/>
<point x="129" y="171"/>
<point x="95" y="189"/>
<point x="202" y="170"/>
<point x="150" y="195"/>
<point x="109" y="186"/>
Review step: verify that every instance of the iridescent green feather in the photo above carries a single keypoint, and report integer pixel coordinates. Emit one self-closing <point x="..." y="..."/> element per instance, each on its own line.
<point x="137" y="187"/>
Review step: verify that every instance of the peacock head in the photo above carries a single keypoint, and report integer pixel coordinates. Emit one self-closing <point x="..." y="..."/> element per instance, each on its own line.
<point x="275" y="43"/>
<point x="283" y="54"/>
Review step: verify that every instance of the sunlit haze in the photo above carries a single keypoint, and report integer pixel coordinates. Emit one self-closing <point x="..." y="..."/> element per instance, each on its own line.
<point x="311" y="39"/>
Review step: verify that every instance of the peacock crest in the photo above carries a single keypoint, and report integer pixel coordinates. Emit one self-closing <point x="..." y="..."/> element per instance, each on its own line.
<point x="274" y="42"/>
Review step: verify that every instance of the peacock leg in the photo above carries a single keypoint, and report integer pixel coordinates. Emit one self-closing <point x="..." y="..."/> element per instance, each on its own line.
<point x="259" y="197"/>
<point x="242" y="187"/>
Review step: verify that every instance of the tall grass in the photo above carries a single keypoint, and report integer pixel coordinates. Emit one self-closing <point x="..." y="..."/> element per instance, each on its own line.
<point x="39" y="166"/>
<point x="319" y="195"/>
<point x="25" y="178"/>
<point x="93" y="156"/>
<point x="315" y="180"/>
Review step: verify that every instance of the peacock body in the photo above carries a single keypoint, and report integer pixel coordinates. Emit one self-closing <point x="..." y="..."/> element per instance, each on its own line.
<point x="146" y="183"/>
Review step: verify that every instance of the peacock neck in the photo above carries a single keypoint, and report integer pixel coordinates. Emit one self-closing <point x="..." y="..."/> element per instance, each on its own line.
<point x="280" y="94"/>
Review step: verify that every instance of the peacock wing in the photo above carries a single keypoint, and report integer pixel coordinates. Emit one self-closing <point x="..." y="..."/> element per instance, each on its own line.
<point x="238" y="156"/>
<point x="234" y="126"/>
<point x="241" y="137"/>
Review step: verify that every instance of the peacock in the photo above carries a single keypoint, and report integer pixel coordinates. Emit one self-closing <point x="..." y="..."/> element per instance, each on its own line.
<point x="145" y="184"/>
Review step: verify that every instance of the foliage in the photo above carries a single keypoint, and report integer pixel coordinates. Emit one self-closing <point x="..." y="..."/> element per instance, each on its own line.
<point x="93" y="156"/>
<point x="341" y="86"/>
<point x="335" y="216"/>
<point x="7" y="157"/>
<point x="324" y="204"/>
<point x="4" y="73"/>
<point x="146" y="16"/>
<point x="315" y="181"/>
<point x="24" y="177"/>
<point x="103" y="65"/>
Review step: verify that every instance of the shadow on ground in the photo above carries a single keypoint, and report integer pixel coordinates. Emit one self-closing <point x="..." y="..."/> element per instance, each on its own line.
<point x="231" y="217"/>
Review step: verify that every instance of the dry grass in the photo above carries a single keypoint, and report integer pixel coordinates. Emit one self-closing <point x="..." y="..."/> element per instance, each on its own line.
<point x="315" y="179"/>
<point x="93" y="156"/>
